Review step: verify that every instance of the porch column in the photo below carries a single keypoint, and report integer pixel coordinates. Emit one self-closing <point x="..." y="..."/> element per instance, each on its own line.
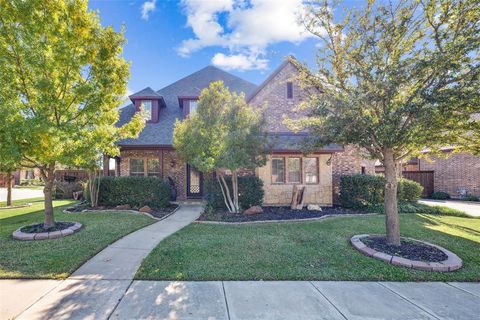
<point x="106" y="165"/>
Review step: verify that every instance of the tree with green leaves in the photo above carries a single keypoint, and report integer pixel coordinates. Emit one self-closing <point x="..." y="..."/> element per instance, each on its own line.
<point x="224" y="133"/>
<point x="395" y="78"/>
<point x="62" y="78"/>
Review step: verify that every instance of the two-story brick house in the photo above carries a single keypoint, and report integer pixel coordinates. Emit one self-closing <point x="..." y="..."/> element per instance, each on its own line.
<point x="152" y="152"/>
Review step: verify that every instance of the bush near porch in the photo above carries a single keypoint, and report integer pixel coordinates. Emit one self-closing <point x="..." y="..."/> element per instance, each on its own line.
<point x="250" y="190"/>
<point x="135" y="191"/>
<point x="360" y="191"/>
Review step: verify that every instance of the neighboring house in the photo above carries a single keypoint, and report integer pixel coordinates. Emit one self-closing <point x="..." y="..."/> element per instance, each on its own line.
<point x="152" y="152"/>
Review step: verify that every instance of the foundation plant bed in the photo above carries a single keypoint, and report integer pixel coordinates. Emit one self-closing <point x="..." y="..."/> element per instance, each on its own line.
<point x="156" y="212"/>
<point x="271" y="213"/>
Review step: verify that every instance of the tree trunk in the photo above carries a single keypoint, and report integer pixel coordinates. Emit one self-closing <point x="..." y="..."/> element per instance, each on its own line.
<point x="390" y="201"/>
<point x="49" y="177"/>
<point x="235" y="191"/>
<point x="9" y="189"/>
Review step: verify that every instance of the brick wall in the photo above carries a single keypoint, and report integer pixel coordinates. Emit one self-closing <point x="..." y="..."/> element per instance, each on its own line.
<point x="274" y="97"/>
<point x="459" y="172"/>
<point x="177" y="172"/>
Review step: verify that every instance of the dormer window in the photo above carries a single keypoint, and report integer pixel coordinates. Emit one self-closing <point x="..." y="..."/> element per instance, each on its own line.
<point x="193" y="106"/>
<point x="146" y="106"/>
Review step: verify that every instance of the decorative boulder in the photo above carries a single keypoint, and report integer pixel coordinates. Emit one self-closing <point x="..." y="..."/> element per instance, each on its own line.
<point x="123" y="207"/>
<point x="145" y="209"/>
<point x="314" y="207"/>
<point x="253" y="210"/>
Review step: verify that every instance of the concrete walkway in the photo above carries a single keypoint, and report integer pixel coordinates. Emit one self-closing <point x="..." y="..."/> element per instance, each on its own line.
<point x="470" y="208"/>
<point x="94" y="289"/>
<point x="235" y="300"/>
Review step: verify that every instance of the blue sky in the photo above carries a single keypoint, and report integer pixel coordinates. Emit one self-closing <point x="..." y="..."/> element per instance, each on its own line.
<point x="167" y="39"/>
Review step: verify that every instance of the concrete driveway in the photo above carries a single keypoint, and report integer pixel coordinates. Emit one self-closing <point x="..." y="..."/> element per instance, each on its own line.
<point x="19" y="194"/>
<point x="469" y="207"/>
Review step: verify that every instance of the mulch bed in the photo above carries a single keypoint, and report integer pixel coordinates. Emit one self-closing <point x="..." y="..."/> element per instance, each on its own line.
<point x="157" y="213"/>
<point x="408" y="249"/>
<point x="38" y="228"/>
<point x="273" y="213"/>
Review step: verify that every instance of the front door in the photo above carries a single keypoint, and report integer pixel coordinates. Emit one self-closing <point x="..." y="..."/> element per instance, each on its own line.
<point x="194" y="183"/>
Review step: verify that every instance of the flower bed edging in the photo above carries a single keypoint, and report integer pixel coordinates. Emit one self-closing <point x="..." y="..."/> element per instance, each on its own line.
<point x="19" y="235"/>
<point x="285" y="220"/>
<point x="452" y="263"/>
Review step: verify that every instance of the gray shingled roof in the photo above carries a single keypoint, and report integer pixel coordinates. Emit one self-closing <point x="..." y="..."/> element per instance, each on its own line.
<point x="147" y="92"/>
<point x="161" y="133"/>
<point x="287" y="141"/>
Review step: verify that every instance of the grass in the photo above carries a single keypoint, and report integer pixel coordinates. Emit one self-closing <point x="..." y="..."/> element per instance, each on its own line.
<point x="306" y="251"/>
<point x="32" y="187"/>
<point x="58" y="258"/>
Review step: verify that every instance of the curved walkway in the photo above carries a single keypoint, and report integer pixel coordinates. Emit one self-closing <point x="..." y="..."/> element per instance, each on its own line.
<point x="94" y="290"/>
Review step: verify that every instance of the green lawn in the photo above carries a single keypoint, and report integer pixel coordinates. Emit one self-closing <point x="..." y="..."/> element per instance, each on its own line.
<point x="20" y="202"/>
<point x="306" y="251"/>
<point x="58" y="258"/>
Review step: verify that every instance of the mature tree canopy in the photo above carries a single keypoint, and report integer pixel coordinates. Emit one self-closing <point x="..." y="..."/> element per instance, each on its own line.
<point x="224" y="133"/>
<point x="62" y="76"/>
<point x="396" y="77"/>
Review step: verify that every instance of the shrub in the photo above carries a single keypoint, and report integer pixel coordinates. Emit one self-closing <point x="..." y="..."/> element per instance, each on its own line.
<point x="440" y="195"/>
<point x="363" y="190"/>
<point x="470" y="197"/>
<point x="250" y="189"/>
<point x="135" y="191"/>
<point x="32" y="182"/>
<point x="409" y="190"/>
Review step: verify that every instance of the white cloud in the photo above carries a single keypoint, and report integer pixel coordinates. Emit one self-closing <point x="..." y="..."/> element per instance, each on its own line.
<point x="147" y="8"/>
<point x="244" y="28"/>
<point x="238" y="62"/>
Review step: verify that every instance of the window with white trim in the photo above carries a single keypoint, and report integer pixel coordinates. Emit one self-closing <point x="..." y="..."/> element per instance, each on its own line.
<point x="153" y="167"/>
<point x="193" y="106"/>
<point x="146" y="106"/>
<point x="137" y="167"/>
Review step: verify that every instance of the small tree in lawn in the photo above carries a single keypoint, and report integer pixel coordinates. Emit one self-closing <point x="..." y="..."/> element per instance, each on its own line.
<point x="396" y="79"/>
<point x="62" y="77"/>
<point x="224" y="133"/>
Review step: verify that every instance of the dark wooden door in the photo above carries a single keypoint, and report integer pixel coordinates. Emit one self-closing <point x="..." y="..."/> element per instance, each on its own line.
<point x="194" y="183"/>
<point x="425" y="178"/>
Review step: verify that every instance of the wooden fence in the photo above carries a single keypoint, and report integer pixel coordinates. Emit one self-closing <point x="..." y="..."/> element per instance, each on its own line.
<point x="71" y="175"/>
<point x="425" y="178"/>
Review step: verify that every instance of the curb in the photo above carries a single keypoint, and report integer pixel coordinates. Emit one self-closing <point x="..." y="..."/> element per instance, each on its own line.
<point x="19" y="235"/>
<point x="129" y="211"/>
<point x="17" y="207"/>
<point x="452" y="263"/>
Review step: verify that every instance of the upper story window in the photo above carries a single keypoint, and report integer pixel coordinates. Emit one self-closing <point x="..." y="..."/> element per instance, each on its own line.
<point x="193" y="106"/>
<point x="146" y="106"/>
<point x="289" y="90"/>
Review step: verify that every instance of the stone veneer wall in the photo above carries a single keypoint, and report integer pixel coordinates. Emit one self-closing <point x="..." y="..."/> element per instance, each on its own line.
<point x="350" y="161"/>
<point x="177" y="173"/>
<point x="281" y="194"/>
<point x="458" y="172"/>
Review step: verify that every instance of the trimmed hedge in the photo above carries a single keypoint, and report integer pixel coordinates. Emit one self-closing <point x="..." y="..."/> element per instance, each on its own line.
<point x="440" y="195"/>
<point x="135" y="191"/>
<point x="250" y="189"/>
<point x="362" y="190"/>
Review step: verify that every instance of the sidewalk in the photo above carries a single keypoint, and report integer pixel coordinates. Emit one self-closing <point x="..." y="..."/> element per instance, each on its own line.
<point x="94" y="289"/>
<point x="470" y="208"/>
<point x="234" y="300"/>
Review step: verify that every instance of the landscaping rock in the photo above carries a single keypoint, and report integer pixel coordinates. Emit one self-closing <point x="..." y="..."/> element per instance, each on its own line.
<point x="145" y="209"/>
<point x="123" y="207"/>
<point x="314" y="207"/>
<point x="253" y="210"/>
